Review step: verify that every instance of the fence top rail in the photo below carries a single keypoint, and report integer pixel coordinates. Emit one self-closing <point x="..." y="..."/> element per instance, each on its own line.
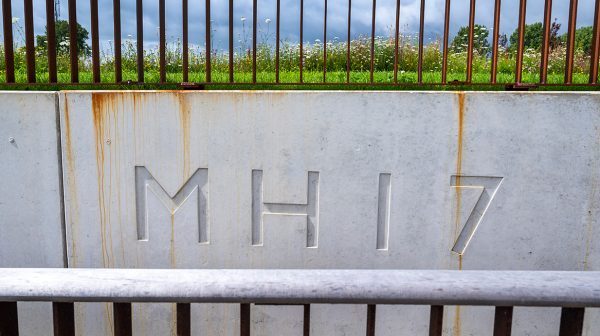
<point x="427" y="287"/>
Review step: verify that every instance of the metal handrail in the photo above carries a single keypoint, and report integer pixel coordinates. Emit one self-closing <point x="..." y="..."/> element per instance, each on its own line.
<point x="425" y="287"/>
<point x="573" y="291"/>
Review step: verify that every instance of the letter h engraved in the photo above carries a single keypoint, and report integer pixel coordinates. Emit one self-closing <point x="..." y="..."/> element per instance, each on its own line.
<point x="197" y="183"/>
<point x="310" y="209"/>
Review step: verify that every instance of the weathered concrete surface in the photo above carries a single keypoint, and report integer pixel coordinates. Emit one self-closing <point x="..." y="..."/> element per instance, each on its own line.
<point x="332" y="180"/>
<point x="30" y="199"/>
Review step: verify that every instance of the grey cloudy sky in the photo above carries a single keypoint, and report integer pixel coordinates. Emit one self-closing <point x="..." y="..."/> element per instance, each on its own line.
<point x="337" y="17"/>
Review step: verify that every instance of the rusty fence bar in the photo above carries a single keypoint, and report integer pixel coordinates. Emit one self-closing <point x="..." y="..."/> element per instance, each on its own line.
<point x="495" y="38"/>
<point x="445" y="41"/>
<point x="73" y="52"/>
<point x="396" y="41"/>
<point x="139" y="17"/>
<point x="277" y="39"/>
<point x="301" y="58"/>
<point x="421" y="32"/>
<point x="184" y="327"/>
<point x="571" y="42"/>
<point x="9" y="57"/>
<point x="573" y="291"/>
<point x="595" y="52"/>
<point x="231" y="41"/>
<point x="325" y="43"/>
<point x="29" y="44"/>
<point x="254" y="43"/>
<point x="208" y="43"/>
<point x="348" y="42"/>
<point x="471" y="42"/>
<point x="373" y="41"/>
<point x="546" y="41"/>
<point x="95" y="42"/>
<point x="162" y="41"/>
<point x="51" y="41"/>
<point x="117" y="39"/>
<point x="185" y="66"/>
<point x="211" y="54"/>
<point x="521" y="41"/>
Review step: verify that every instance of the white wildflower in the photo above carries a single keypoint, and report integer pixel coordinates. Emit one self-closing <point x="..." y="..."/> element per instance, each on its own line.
<point x="243" y="18"/>
<point x="15" y="19"/>
<point x="267" y="20"/>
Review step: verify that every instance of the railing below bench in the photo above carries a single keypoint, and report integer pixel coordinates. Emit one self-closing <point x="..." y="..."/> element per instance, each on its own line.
<point x="573" y="291"/>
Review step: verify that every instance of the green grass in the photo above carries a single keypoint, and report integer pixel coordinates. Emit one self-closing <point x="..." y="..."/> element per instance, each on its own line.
<point x="289" y="80"/>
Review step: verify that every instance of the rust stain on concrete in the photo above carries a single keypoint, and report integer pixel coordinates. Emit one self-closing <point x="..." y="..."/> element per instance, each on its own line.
<point x="184" y="118"/>
<point x="72" y="186"/>
<point x="459" y="158"/>
<point x="101" y="109"/>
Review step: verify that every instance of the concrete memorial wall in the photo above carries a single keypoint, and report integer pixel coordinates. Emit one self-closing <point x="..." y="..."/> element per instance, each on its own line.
<point x="378" y="180"/>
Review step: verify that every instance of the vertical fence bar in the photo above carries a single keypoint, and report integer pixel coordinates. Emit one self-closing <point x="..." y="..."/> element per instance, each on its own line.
<point x="371" y="311"/>
<point x="301" y="41"/>
<point x="254" y="18"/>
<point x="9" y="57"/>
<point x="373" y="41"/>
<point x="325" y="44"/>
<point x="245" y="319"/>
<point x="471" y="45"/>
<point x="306" y="322"/>
<point x="208" y="43"/>
<point x="139" y="17"/>
<point x="73" y="41"/>
<point x="571" y="42"/>
<point x="445" y="41"/>
<point x="503" y="321"/>
<point x="29" y="44"/>
<point x="521" y="41"/>
<point x="421" y="31"/>
<point x="51" y="41"/>
<point x="184" y="319"/>
<point x="496" y="32"/>
<point x="348" y="42"/>
<point x="546" y="41"/>
<point x="117" y="39"/>
<point x="277" y="38"/>
<point x="95" y="41"/>
<point x="162" y="41"/>
<point x="64" y="319"/>
<point x="595" y="52"/>
<point x="571" y="322"/>
<point x="122" y="319"/>
<point x="185" y="66"/>
<point x="9" y="319"/>
<point x="396" y="38"/>
<point x="230" y="41"/>
<point x="436" y="320"/>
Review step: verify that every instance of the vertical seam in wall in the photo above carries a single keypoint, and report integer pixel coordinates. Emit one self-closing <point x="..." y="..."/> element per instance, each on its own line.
<point x="61" y="186"/>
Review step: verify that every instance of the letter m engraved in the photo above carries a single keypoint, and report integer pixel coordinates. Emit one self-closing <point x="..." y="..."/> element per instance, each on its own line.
<point x="145" y="182"/>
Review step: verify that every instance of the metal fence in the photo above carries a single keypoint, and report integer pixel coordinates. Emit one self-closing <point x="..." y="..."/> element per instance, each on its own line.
<point x="95" y="50"/>
<point x="504" y="289"/>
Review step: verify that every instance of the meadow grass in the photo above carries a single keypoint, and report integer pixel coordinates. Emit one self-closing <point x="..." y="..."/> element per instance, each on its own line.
<point x="313" y="67"/>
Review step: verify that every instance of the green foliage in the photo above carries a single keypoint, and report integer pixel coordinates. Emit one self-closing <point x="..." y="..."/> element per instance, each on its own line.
<point x="480" y="40"/>
<point x="534" y="36"/>
<point x="583" y="39"/>
<point x="532" y="39"/>
<point x="63" y="39"/>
